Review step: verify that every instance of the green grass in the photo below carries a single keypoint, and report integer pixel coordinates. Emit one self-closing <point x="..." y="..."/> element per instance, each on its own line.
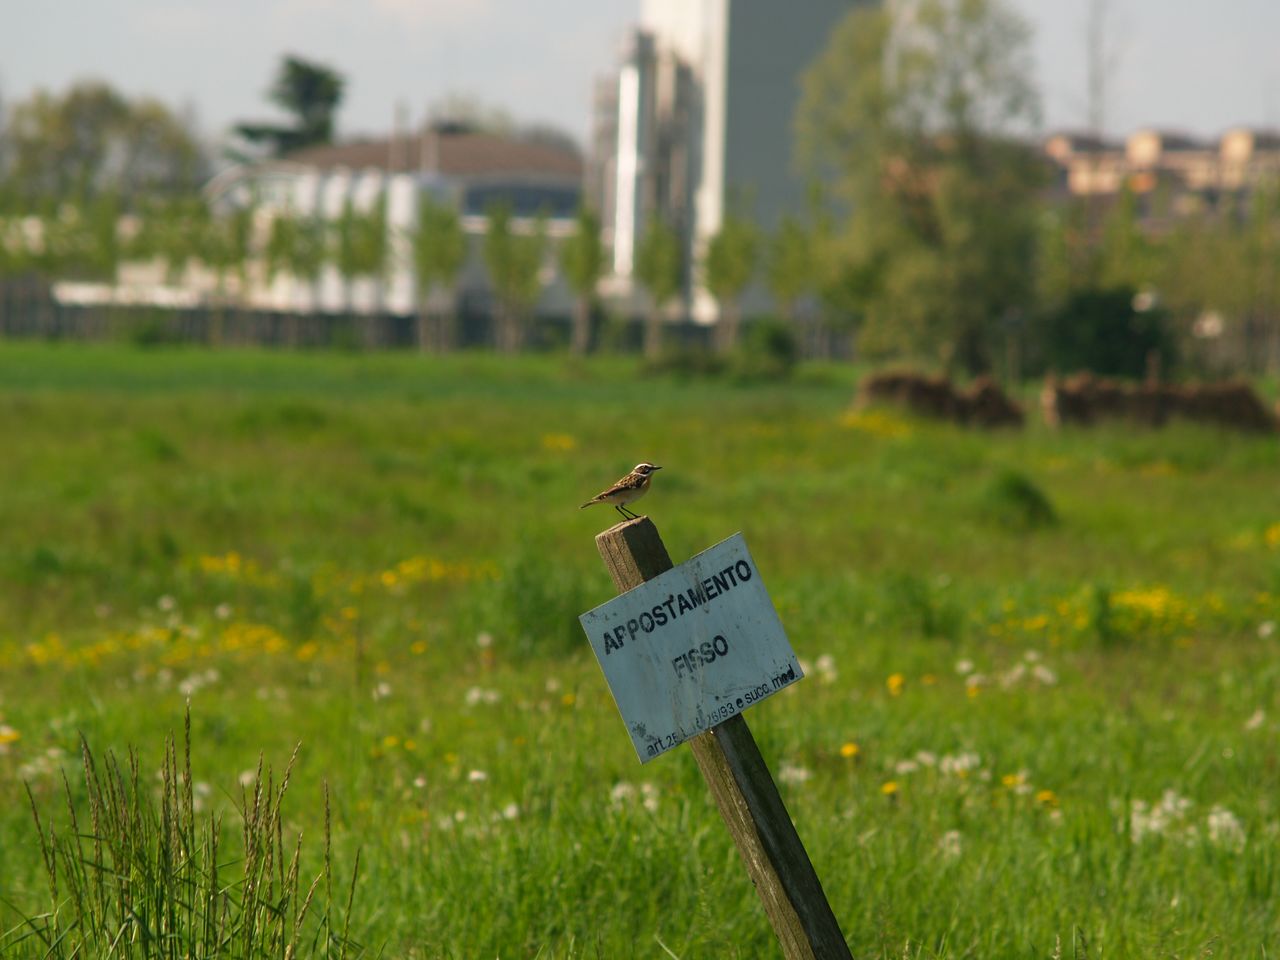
<point x="1059" y="649"/>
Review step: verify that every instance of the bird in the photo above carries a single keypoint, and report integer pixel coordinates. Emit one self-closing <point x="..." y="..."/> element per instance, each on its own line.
<point x="631" y="487"/>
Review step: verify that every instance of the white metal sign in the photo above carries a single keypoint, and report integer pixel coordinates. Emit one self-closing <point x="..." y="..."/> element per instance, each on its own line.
<point x="691" y="647"/>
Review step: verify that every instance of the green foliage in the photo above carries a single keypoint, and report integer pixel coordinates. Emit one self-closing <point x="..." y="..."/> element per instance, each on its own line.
<point x="1100" y="331"/>
<point x="514" y="260"/>
<point x="310" y="92"/>
<point x="1012" y="499"/>
<point x="770" y="351"/>
<point x="336" y="557"/>
<point x="92" y="140"/>
<point x="147" y="876"/>
<point x="659" y="269"/>
<point x="582" y="262"/>
<point x="791" y="268"/>
<point x="730" y="264"/>
<point x="915" y="112"/>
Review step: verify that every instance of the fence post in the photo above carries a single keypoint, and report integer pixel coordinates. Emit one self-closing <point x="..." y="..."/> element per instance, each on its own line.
<point x="742" y="786"/>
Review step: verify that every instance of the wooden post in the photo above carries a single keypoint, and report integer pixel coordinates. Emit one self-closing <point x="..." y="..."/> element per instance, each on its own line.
<point x="742" y="787"/>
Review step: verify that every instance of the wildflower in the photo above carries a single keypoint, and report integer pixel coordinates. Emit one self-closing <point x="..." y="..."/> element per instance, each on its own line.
<point x="1044" y="676"/>
<point x="1047" y="798"/>
<point x="903" y="767"/>
<point x="889" y="788"/>
<point x="926" y="759"/>
<point x="390" y="741"/>
<point x="419" y="781"/>
<point x="895" y="684"/>
<point x="475" y="695"/>
<point x="622" y="792"/>
<point x="167" y="603"/>
<point x="484" y="640"/>
<point x="949" y="844"/>
<point x="247" y="777"/>
<point x="1266" y="629"/>
<point x="960" y="764"/>
<point x="223" y="611"/>
<point x="569" y="699"/>
<point x="826" y="666"/>
<point x="1256" y="719"/>
<point x="8" y="735"/>
<point x="382" y="690"/>
<point x="511" y="812"/>
<point x="559" y="442"/>
<point x="792" y="774"/>
<point x="418" y="647"/>
<point x="849" y="750"/>
<point x="477" y="776"/>
<point x="964" y="667"/>
<point x="1225" y="829"/>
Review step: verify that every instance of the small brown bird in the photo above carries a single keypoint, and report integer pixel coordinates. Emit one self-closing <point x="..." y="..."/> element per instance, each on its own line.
<point x="630" y="488"/>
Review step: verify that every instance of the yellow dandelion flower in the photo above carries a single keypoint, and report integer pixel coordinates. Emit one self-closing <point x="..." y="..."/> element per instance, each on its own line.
<point x="1013" y="779"/>
<point x="972" y="691"/>
<point x="559" y="442"/>
<point x="1272" y="536"/>
<point x="569" y="699"/>
<point x="849" y="750"/>
<point x="895" y="684"/>
<point x="889" y="788"/>
<point x="390" y="741"/>
<point x="8" y="735"/>
<point x="1047" y="797"/>
<point x="418" y="646"/>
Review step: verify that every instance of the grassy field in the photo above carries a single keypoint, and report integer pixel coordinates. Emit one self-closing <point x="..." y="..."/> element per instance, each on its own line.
<point x="1043" y="693"/>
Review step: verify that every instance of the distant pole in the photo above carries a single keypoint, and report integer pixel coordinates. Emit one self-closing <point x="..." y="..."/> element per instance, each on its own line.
<point x="742" y="786"/>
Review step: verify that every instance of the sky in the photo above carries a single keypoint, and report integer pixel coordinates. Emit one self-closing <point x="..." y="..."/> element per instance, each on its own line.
<point x="1198" y="66"/>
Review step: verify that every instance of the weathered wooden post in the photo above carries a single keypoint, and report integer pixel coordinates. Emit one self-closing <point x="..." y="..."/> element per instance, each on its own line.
<point x="712" y="629"/>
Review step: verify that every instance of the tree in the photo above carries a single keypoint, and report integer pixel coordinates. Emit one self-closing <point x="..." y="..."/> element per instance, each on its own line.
<point x="515" y="264"/>
<point x="730" y="264"/>
<point x="658" y="268"/>
<point x="582" y="260"/>
<point x="310" y="92"/>
<point x="918" y="111"/>
<point x="790" y="267"/>
<point x="361" y="248"/>
<point x="439" y="253"/>
<point x="92" y="140"/>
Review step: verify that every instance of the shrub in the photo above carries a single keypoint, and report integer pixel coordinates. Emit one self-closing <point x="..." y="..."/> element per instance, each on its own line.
<point x="1014" y="500"/>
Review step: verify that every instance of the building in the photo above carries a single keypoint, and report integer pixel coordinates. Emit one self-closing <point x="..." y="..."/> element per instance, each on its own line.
<point x="698" y="123"/>
<point x="466" y="168"/>
<point x="1172" y="175"/>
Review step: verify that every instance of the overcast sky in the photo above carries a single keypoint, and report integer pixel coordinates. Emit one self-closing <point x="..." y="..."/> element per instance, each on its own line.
<point x="1200" y="66"/>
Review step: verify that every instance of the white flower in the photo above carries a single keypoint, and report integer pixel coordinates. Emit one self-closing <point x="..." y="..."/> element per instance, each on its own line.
<point x="960" y="763"/>
<point x="622" y="792"/>
<point x="903" y="767"/>
<point x="1266" y="629"/>
<point x="792" y="774"/>
<point x="926" y="759"/>
<point x="382" y="691"/>
<point x="484" y="640"/>
<point x="247" y="777"/>
<point x="511" y="812"/>
<point x="1010" y="677"/>
<point x="1225" y="829"/>
<point x="1044" y="675"/>
<point x="964" y="666"/>
<point x="477" y="776"/>
<point x="826" y="666"/>
<point x="166" y="603"/>
<point x="1256" y="719"/>
<point x="223" y="611"/>
<point x="949" y="844"/>
<point x="1031" y="656"/>
<point x="553" y="685"/>
<point x="419" y="781"/>
<point x="475" y="695"/>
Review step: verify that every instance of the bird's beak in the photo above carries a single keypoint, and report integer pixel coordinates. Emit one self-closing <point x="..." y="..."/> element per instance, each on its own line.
<point x="656" y="467"/>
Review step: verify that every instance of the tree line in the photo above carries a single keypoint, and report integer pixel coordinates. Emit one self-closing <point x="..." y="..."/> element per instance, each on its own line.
<point x="928" y="236"/>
